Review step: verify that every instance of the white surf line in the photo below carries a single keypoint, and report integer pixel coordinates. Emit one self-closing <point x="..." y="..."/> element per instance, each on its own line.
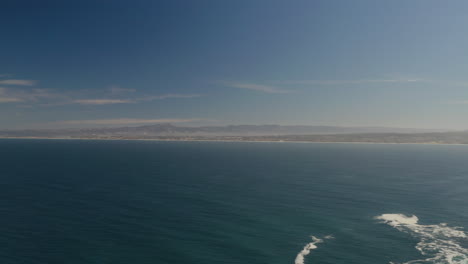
<point x="306" y="250"/>
<point x="440" y="244"/>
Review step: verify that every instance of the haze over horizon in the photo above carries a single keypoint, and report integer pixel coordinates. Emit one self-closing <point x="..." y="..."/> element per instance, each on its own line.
<point x="362" y="63"/>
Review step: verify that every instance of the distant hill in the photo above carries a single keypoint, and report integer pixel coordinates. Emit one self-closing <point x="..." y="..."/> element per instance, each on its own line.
<point x="169" y="130"/>
<point x="418" y="138"/>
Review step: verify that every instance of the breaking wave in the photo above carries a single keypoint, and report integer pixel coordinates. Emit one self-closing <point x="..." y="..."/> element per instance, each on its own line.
<point x="439" y="244"/>
<point x="307" y="248"/>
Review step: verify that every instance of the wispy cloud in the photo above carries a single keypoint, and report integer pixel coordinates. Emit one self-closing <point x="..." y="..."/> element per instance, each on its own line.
<point x="18" y="82"/>
<point x="358" y="81"/>
<point x="49" y="97"/>
<point x="5" y="98"/>
<point x="125" y="121"/>
<point x="458" y="102"/>
<point x="168" y="96"/>
<point x="259" y="87"/>
<point x="21" y="94"/>
<point x="102" y="101"/>
<point x="9" y="95"/>
<point x="131" y="100"/>
<point x="10" y="100"/>
<point x="119" y="90"/>
<point x="456" y="83"/>
<point x="275" y="87"/>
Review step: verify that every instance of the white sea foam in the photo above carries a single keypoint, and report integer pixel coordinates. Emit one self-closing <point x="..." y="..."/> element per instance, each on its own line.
<point x="311" y="246"/>
<point x="439" y="244"/>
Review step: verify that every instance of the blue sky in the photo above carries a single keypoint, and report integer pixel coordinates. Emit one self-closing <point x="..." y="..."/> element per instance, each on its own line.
<point x="347" y="63"/>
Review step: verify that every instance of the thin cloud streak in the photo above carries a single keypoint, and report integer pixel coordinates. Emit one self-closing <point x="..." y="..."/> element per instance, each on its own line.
<point x="9" y="95"/>
<point x="10" y="100"/>
<point x="120" y="90"/>
<point x="18" y="82"/>
<point x="168" y="96"/>
<point x="125" y="121"/>
<point x="132" y="100"/>
<point x="361" y="81"/>
<point x="6" y="98"/>
<point x="47" y="97"/>
<point x="102" y="101"/>
<point x="459" y="102"/>
<point x="259" y="87"/>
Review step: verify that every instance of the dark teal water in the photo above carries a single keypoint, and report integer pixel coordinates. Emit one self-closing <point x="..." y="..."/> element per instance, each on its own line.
<point x="120" y="202"/>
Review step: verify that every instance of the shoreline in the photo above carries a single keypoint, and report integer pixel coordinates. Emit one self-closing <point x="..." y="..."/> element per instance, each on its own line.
<point x="238" y="141"/>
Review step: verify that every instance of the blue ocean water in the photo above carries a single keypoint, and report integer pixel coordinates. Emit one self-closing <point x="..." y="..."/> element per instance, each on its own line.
<point x="142" y="202"/>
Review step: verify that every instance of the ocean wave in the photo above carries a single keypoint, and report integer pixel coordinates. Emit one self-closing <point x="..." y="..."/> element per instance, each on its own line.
<point x="439" y="244"/>
<point x="307" y="248"/>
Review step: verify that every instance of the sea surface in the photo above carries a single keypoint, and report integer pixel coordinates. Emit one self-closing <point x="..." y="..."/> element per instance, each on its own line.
<point x="149" y="202"/>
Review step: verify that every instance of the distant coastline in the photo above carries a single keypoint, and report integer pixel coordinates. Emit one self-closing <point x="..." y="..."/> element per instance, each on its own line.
<point x="233" y="140"/>
<point x="249" y="133"/>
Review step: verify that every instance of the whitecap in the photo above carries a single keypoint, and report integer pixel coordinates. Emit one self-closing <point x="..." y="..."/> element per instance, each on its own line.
<point x="438" y="244"/>
<point x="307" y="248"/>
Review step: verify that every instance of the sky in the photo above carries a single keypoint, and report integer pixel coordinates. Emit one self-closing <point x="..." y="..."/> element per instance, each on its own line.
<point x="92" y="63"/>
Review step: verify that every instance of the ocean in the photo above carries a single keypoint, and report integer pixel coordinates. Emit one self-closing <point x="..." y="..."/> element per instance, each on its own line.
<point x="149" y="202"/>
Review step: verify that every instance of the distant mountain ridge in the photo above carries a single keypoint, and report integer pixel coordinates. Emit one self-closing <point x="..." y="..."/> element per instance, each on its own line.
<point x="168" y="130"/>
